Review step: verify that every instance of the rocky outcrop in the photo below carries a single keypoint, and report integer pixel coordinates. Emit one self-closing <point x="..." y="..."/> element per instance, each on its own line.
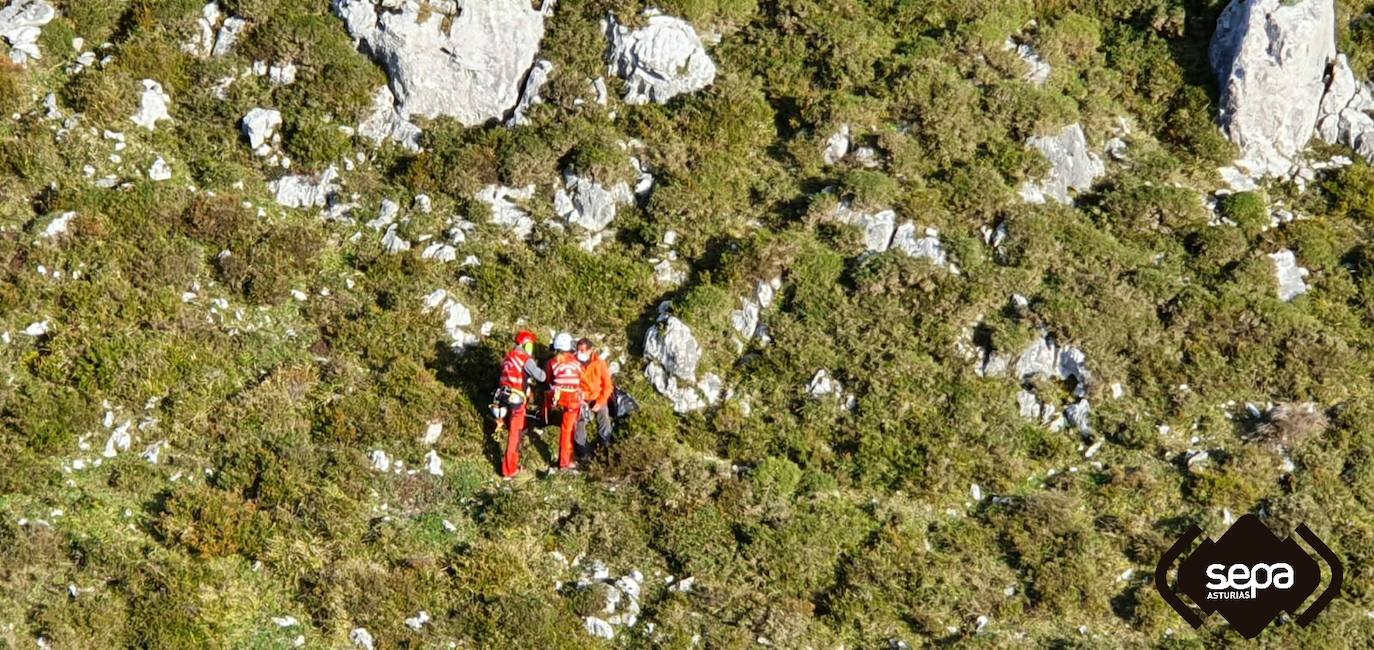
<point x="1073" y="166"/>
<point x="21" y="22"/>
<point x="1270" y="58"/>
<point x="659" y="61"/>
<point x="673" y="354"/>
<point x="882" y="233"/>
<point x="460" y="58"/>
<point x="1291" y="283"/>
<point x="385" y="123"/>
<point x="590" y="206"/>
<point x="748" y="319"/>
<point x="505" y="209"/>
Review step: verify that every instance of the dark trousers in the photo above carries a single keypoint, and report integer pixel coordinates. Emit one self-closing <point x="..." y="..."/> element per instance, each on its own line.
<point x="604" y="427"/>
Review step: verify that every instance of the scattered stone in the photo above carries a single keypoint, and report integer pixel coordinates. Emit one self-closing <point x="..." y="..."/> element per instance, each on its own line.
<point x="281" y="74"/>
<point x="306" y="191"/>
<point x="58" y="226"/>
<point x="418" y="621"/>
<point x="445" y="59"/>
<point x="433" y="464"/>
<point x="381" y="461"/>
<point x="259" y="126"/>
<point x="119" y="440"/>
<point x="837" y="146"/>
<point x="432" y="433"/>
<point x="822" y="384"/>
<point x="152" y="106"/>
<point x="747" y="320"/>
<point x="285" y="621"/>
<point x="362" y="638"/>
<point x="927" y="246"/>
<point x="505" y="211"/>
<point x="599" y="628"/>
<point x="392" y="242"/>
<point x="457" y="317"/>
<point x="659" y="61"/>
<point x="1072" y="166"/>
<point x="21" y="22"/>
<point x="154" y="452"/>
<point x="160" y="171"/>
<point x="37" y="329"/>
<point x="1270" y="58"/>
<point x="878" y="226"/>
<point x="1038" y="70"/>
<point x="1290" y="275"/>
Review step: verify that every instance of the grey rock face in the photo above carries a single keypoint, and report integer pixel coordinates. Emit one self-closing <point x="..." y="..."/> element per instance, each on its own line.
<point x="463" y="58"/>
<point x="673" y="353"/>
<point x="21" y="22"/>
<point x="1269" y="58"/>
<point x="659" y="61"/>
<point x="1037" y="69"/>
<point x="1343" y="116"/>
<point x="529" y="94"/>
<point x="878" y="226"/>
<point x="1073" y="166"/>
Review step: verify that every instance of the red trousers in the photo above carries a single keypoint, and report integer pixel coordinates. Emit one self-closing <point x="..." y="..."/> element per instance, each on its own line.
<point x="511" y="464"/>
<point x="571" y="404"/>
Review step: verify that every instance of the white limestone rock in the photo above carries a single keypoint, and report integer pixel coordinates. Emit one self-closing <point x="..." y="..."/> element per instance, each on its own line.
<point x="152" y="105"/>
<point x="259" y="125"/>
<point x="878" y="226"/>
<point x="1073" y="166"/>
<point x="301" y="191"/>
<point x="1343" y="116"/>
<point x="1270" y="58"/>
<point x="362" y="638"/>
<point x="927" y="245"/>
<point x="837" y="146"/>
<point x="58" y="226"/>
<point x="747" y="320"/>
<point x="457" y="317"/>
<point x="385" y="123"/>
<point x="529" y="92"/>
<point x="505" y="209"/>
<point x="659" y="61"/>
<point x="1037" y="69"/>
<point x="21" y="22"/>
<point x="822" y="384"/>
<point x="673" y="353"/>
<point x="463" y="58"/>
<point x="589" y="205"/>
<point x="1290" y="276"/>
<point x="160" y="170"/>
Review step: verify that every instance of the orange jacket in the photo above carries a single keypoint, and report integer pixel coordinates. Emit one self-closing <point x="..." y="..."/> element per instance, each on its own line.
<point x="597" y="386"/>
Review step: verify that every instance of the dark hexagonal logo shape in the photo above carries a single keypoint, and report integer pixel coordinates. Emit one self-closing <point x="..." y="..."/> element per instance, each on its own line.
<point x="1249" y="576"/>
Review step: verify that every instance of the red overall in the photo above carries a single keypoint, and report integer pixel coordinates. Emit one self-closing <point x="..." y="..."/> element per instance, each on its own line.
<point x="513" y="380"/>
<point x="565" y="373"/>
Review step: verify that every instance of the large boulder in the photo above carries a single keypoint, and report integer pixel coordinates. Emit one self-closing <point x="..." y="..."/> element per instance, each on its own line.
<point x="659" y="61"/>
<point x="1270" y="58"/>
<point x="461" y="58"/>
<point x="1073" y="166"/>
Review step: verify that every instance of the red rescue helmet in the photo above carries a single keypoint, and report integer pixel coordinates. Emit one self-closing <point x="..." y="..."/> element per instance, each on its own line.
<point x="525" y="336"/>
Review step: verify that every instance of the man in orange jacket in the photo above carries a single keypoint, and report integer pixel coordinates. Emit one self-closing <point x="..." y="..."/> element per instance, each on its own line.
<point x="565" y="377"/>
<point x="516" y="370"/>
<point x="597" y="389"/>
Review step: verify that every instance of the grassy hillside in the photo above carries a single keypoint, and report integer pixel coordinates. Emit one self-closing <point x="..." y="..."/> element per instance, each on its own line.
<point x="931" y="512"/>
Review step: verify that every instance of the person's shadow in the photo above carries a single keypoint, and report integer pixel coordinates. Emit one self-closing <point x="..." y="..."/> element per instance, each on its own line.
<point x="475" y="371"/>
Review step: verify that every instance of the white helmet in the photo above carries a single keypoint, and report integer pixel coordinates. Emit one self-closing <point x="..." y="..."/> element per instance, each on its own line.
<point x="563" y="342"/>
